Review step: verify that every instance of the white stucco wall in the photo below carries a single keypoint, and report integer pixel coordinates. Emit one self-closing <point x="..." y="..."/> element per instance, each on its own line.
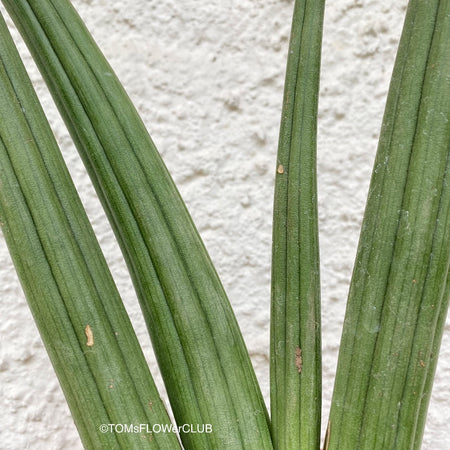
<point x="207" y="77"/>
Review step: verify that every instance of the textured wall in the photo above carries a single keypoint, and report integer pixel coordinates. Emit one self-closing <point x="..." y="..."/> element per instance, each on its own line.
<point x="207" y="77"/>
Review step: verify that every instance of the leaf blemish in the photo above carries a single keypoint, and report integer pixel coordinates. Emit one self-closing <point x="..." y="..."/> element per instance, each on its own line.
<point x="89" y="336"/>
<point x="298" y="359"/>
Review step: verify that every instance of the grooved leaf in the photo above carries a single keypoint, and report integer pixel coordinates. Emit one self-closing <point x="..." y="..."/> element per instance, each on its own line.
<point x="74" y="301"/>
<point x="199" y="347"/>
<point x="398" y="287"/>
<point x="295" y="314"/>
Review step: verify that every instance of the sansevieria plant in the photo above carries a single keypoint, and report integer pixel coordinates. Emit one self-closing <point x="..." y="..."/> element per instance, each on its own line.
<point x="399" y="291"/>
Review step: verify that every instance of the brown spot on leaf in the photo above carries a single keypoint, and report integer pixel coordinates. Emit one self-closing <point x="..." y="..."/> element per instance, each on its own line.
<point x="280" y="169"/>
<point x="89" y="336"/>
<point x="298" y="359"/>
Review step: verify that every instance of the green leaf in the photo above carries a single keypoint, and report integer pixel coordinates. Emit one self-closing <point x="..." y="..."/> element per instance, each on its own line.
<point x="199" y="347"/>
<point x="74" y="301"/>
<point x="295" y="315"/>
<point x="398" y="287"/>
<point x="426" y="393"/>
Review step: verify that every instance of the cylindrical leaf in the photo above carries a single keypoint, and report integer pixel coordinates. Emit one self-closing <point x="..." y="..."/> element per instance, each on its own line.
<point x="199" y="347"/>
<point x="426" y="394"/>
<point x="74" y="301"/>
<point x="398" y="287"/>
<point x="295" y="315"/>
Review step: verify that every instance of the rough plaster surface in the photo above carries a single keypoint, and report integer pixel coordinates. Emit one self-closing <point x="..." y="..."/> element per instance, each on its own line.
<point x="207" y="77"/>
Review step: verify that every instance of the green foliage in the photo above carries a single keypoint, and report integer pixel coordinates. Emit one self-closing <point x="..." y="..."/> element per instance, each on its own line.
<point x="203" y="360"/>
<point x="295" y="316"/>
<point x="399" y="291"/>
<point x="72" y="296"/>
<point x="398" y="286"/>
